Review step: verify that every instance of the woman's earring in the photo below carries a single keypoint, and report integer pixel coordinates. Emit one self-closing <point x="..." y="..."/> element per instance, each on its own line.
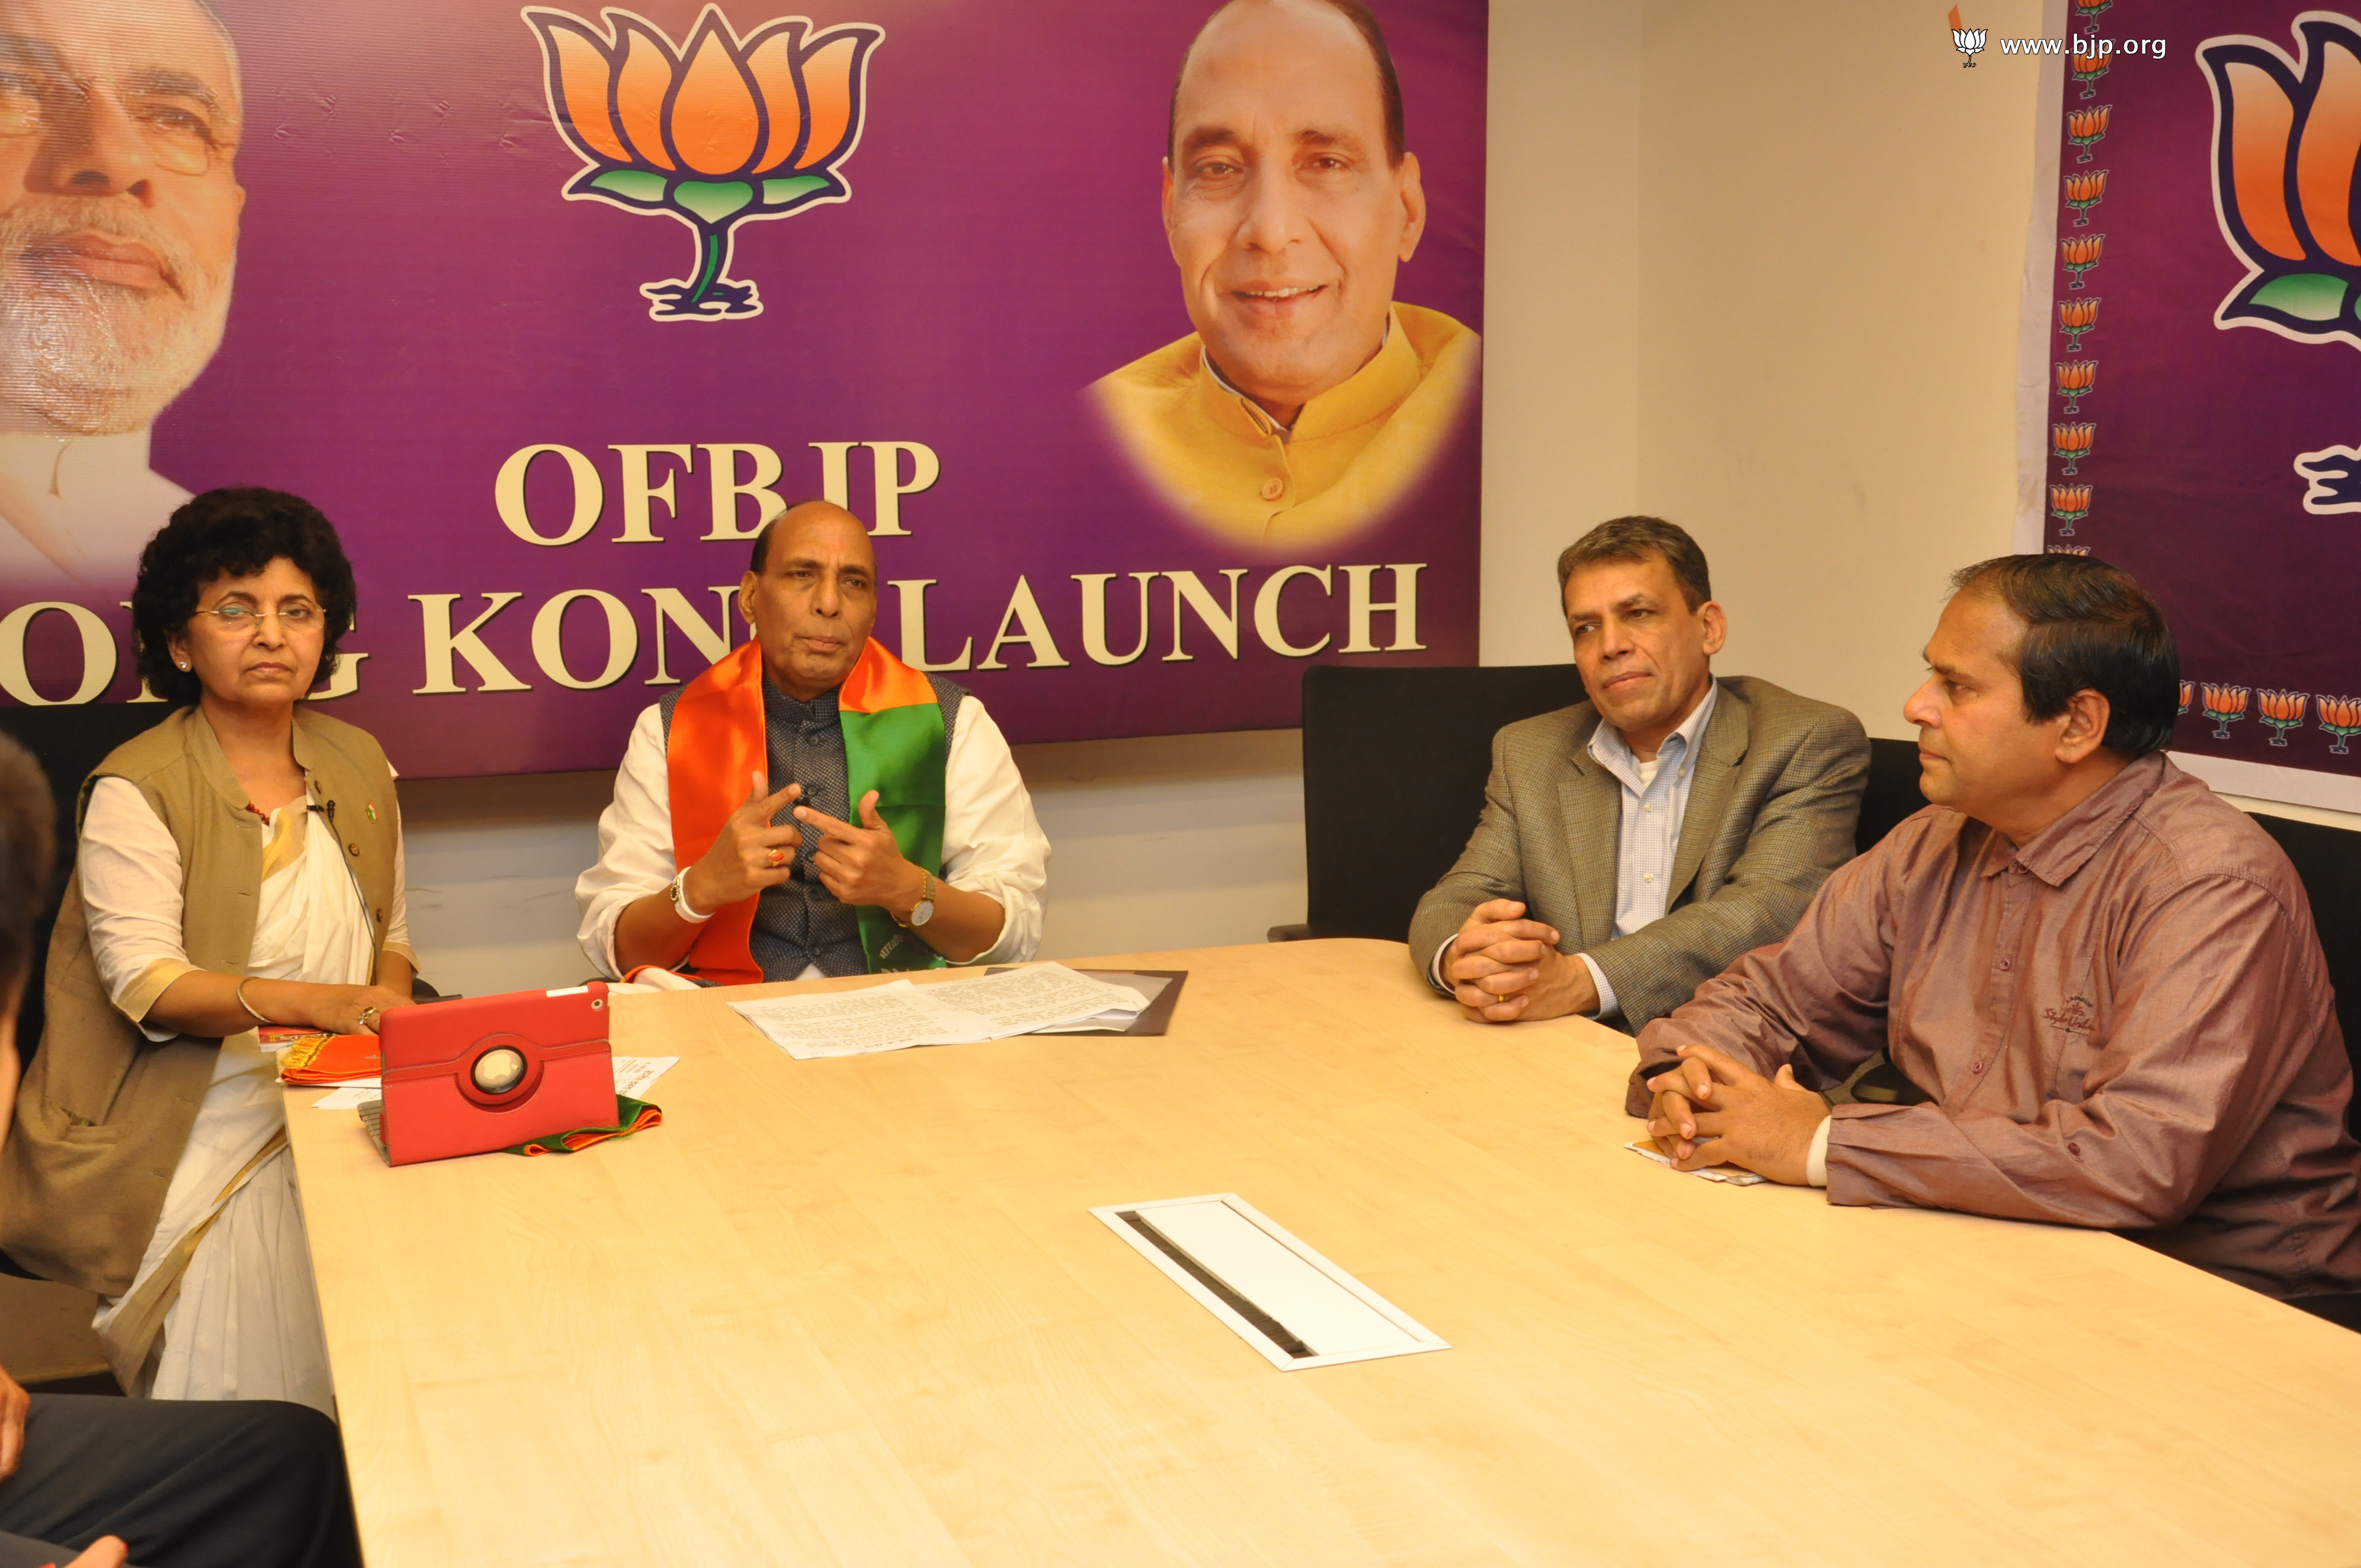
<point x="183" y="662"/>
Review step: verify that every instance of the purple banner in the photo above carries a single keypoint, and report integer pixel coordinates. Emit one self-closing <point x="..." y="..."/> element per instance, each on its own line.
<point x="548" y="309"/>
<point x="2204" y="365"/>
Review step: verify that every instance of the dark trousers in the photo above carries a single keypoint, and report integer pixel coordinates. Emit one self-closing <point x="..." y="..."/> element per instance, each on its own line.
<point x="187" y="1482"/>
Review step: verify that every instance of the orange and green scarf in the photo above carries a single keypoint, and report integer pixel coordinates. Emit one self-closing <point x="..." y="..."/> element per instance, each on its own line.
<point x="893" y="743"/>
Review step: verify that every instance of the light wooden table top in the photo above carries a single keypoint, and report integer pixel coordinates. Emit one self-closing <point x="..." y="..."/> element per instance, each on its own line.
<point x="858" y="1311"/>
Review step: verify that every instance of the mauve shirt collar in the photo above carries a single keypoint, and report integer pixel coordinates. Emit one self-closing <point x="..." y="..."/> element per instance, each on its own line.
<point x="2064" y="847"/>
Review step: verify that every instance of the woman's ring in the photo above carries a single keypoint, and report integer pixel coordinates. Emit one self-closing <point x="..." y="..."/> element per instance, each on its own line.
<point x="369" y="1018"/>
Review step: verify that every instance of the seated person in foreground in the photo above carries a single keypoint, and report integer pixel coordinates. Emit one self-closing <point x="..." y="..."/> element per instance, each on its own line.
<point x="2105" y="979"/>
<point x="248" y="1484"/>
<point x="811" y="805"/>
<point x="1632" y="845"/>
<point x="239" y="866"/>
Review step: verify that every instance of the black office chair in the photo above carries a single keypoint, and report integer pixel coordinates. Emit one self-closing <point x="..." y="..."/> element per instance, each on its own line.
<point x="2329" y="861"/>
<point x="1893" y="792"/>
<point x="1394" y="764"/>
<point x="68" y="741"/>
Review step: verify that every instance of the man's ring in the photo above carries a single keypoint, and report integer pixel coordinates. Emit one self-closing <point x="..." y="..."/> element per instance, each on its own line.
<point x="778" y="856"/>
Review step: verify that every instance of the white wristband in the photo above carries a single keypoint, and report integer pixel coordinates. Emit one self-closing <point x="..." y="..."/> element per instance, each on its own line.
<point x="678" y="889"/>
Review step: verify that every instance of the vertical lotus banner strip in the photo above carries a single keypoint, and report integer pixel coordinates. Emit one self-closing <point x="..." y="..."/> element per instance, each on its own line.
<point x="2341" y="716"/>
<point x="715" y="133"/>
<point x="2086" y="127"/>
<point x="2225" y="706"/>
<point x="2070" y="504"/>
<point x="2282" y="712"/>
<point x="2076" y="317"/>
<point x="2285" y="142"/>
<point x="2078" y="253"/>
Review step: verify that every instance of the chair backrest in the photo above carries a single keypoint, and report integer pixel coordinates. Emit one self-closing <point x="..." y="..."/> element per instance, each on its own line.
<point x="2329" y="861"/>
<point x="1893" y="792"/>
<point x="1394" y="764"/>
<point x="68" y="741"/>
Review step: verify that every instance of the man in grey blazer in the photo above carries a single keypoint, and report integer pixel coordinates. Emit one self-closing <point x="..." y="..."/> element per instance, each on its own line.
<point x="1632" y="846"/>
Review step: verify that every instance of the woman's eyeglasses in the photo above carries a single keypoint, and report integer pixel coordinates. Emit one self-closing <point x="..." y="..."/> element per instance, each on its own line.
<point x="246" y="618"/>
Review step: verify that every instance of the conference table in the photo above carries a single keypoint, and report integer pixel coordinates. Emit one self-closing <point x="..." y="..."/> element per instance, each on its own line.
<point x="858" y="1311"/>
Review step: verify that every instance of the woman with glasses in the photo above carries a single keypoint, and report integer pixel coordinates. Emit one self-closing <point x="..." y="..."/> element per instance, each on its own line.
<point x="240" y="868"/>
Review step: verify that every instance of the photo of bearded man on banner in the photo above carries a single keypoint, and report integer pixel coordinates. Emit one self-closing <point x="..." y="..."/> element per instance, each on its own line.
<point x="119" y="202"/>
<point x="1308" y="399"/>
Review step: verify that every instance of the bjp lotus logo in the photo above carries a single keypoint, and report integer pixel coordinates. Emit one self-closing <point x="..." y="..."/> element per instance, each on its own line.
<point x="2286" y="138"/>
<point x="715" y="133"/>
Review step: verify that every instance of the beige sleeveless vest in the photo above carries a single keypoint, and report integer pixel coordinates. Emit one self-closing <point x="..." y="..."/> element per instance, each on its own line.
<point x="103" y="1111"/>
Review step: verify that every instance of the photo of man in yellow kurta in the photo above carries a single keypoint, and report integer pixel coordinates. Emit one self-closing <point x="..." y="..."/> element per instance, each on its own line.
<point x="1308" y="399"/>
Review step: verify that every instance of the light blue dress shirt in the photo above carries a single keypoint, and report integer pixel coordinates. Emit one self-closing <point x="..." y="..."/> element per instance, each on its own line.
<point x="1655" y="797"/>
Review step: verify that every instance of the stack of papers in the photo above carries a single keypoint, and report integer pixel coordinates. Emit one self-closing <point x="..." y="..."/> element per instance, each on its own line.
<point x="958" y="1012"/>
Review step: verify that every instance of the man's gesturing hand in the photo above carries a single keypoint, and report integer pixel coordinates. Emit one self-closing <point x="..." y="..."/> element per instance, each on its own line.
<point x="862" y="865"/>
<point x="1503" y="967"/>
<point x="1764" y="1124"/>
<point x="750" y="854"/>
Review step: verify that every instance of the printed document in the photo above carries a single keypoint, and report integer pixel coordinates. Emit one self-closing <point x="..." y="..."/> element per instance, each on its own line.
<point x="897" y="1014"/>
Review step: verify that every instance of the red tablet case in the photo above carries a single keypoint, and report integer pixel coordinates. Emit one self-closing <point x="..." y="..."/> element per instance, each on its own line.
<point x="437" y="1107"/>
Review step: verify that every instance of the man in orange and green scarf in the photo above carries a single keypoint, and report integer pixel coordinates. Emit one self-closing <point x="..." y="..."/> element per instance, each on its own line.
<point x="811" y="804"/>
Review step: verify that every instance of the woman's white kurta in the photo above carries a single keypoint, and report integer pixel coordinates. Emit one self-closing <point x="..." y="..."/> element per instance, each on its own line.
<point x="246" y="1323"/>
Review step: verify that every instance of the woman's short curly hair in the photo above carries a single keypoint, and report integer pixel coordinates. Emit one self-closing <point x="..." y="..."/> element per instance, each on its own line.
<point x="233" y="533"/>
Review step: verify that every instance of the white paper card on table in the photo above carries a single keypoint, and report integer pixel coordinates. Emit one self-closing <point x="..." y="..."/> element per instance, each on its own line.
<point x="893" y="1017"/>
<point x="633" y="1076"/>
<point x="1285" y="1299"/>
<point x="1728" y="1175"/>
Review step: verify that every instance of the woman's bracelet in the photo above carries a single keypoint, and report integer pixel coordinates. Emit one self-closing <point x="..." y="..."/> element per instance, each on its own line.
<point x="242" y="1002"/>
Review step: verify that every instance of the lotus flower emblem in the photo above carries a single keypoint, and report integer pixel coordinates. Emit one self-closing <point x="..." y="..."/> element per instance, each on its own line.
<point x="2341" y="716"/>
<point x="1969" y="42"/>
<point x="716" y="131"/>
<point x="2286" y="138"/>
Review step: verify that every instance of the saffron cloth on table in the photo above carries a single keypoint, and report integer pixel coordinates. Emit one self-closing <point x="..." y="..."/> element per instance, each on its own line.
<point x="893" y="743"/>
<point x="630" y="1117"/>
<point x="330" y="1059"/>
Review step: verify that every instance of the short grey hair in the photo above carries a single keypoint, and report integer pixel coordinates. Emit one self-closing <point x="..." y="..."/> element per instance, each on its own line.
<point x="1635" y="539"/>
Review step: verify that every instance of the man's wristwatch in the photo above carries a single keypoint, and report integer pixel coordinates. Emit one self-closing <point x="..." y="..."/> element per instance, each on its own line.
<point x="677" y="891"/>
<point x="924" y="910"/>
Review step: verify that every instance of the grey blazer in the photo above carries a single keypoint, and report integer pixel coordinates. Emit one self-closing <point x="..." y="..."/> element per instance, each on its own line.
<point x="1771" y="813"/>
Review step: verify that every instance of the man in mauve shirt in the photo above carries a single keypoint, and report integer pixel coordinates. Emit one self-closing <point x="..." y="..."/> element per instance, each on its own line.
<point x="2104" y="980"/>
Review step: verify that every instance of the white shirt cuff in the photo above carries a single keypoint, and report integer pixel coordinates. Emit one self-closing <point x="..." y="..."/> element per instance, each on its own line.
<point x="1607" y="1007"/>
<point x="1816" y="1164"/>
<point x="1434" y="970"/>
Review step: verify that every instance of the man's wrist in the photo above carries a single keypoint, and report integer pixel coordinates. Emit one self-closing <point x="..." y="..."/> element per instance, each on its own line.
<point x="909" y="895"/>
